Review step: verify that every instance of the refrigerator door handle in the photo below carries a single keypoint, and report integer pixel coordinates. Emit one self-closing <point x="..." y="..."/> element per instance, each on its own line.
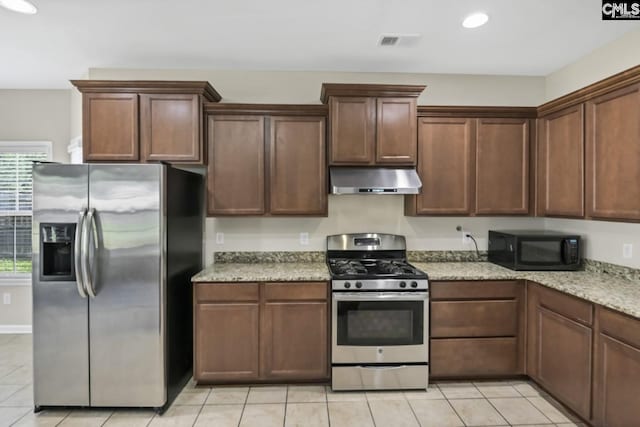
<point x="77" y="251"/>
<point x="89" y="230"/>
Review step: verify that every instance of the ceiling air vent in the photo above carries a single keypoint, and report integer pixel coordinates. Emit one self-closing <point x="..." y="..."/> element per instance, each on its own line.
<point x="404" y="40"/>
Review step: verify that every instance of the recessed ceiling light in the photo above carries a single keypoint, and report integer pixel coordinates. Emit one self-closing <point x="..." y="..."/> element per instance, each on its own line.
<point x="20" y="6"/>
<point x="475" y="20"/>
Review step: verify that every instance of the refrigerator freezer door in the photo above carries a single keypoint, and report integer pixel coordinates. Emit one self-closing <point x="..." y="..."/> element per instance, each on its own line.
<point x="60" y="328"/>
<point x="126" y="317"/>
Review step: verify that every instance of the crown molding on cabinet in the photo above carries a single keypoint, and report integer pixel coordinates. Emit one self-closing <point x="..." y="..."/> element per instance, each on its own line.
<point x="609" y="84"/>
<point x="149" y="86"/>
<point x="476" y="111"/>
<point x="373" y="90"/>
<point x="267" y="109"/>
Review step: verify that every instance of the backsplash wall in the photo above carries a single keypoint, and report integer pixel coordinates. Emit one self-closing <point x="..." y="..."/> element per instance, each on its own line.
<point x="603" y="240"/>
<point x="353" y="214"/>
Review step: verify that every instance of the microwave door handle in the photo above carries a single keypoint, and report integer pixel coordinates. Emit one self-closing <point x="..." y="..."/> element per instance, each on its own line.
<point x="89" y="231"/>
<point x="564" y="251"/>
<point x="77" y="254"/>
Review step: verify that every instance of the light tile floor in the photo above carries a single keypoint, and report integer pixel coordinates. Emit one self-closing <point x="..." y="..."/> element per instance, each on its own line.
<point x="445" y="404"/>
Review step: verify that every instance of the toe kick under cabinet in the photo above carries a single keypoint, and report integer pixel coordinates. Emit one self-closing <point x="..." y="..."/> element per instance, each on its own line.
<point x="477" y="329"/>
<point x="261" y="332"/>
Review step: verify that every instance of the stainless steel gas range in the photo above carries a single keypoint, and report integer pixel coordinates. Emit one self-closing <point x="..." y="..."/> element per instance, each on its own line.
<point x="380" y="314"/>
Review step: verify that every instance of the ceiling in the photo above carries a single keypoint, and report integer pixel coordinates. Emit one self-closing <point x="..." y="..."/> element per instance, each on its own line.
<point x="524" y="37"/>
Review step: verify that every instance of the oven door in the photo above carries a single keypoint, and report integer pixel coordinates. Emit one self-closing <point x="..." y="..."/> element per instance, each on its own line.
<point x="380" y="327"/>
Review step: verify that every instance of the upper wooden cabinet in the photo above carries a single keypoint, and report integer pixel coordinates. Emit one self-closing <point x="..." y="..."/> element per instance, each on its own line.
<point x="446" y="150"/>
<point x="144" y="120"/>
<point x="235" y="178"/>
<point x="266" y="160"/>
<point x="371" y="124"/>
<point x="352" y="120"/>
<point x="502" y="166"/>
<point x="297" y="166"/>
<point x="613" y="155"/>
<point x="472" y="161"/>
<point x="110" y="127"/>
<point x="561" y="163"/>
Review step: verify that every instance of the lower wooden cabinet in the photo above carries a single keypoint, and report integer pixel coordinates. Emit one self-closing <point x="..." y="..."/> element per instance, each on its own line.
<point x="254" y="332"/>
<point x="616" y="396"/>
<point x="477" y="329"/>
<point x="559" y="346"/>
<point x="294" y="334"/>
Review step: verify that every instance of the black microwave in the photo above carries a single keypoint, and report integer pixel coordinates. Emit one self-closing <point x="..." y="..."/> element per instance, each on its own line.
<point x="535" y="250"/>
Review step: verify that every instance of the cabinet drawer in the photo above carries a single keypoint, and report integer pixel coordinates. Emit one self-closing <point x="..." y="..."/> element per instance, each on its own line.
<point x="227" y="292"/>
<point x="619" y="326"/>
<point x="295" y="291"/>
<point x="474" y="319"/>
<point x="566" y="305"/>
<point x="480" y="289"/>
<point x="474" y="357"/>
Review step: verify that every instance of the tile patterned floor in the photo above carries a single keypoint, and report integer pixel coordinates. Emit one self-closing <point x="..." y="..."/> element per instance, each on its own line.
<point x="445" y="404"/>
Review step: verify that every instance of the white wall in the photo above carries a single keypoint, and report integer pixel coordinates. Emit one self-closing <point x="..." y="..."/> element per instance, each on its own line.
<point x="603" y="62"/>
<point x="604" y="240"/>
<point x="25" y="115"/>
<point x="353" y="214"/>
<point x="303" y="87"/>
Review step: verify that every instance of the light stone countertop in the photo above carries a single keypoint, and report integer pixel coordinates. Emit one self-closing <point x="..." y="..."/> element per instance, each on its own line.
<point x="264" y="272"/>
<point x="617" y="293"/>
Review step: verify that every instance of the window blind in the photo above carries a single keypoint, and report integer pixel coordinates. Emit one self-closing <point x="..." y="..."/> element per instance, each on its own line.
<point x="16" y="205"/>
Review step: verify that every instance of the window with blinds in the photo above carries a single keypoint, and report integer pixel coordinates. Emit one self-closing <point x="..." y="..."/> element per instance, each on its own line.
<point x="16" y="203"/>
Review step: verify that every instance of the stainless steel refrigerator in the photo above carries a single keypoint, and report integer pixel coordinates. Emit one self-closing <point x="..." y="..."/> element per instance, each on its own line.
<point x="114" y="248"/>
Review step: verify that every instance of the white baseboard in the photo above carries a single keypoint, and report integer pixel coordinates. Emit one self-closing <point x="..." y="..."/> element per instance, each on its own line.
<point x="15" y="329"/>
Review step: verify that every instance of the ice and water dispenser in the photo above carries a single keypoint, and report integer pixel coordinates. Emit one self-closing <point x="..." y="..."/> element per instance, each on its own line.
<point x="57" y="252"/>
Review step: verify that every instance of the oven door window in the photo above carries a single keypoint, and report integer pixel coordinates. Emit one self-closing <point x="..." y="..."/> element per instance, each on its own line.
<point x="384" y="323"/>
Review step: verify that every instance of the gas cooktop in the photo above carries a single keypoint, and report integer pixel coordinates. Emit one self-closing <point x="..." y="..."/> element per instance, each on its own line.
<point x="372" y="261"/>
<point x="346" y="268"/>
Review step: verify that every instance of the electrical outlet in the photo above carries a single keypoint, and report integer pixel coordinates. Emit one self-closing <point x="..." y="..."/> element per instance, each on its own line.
<point x="6" y="298"/>
<point x="304" y="238"/>
<point x="465" y="237"/>
<point x="627" y="250"/>
<point x="219" y="238"/>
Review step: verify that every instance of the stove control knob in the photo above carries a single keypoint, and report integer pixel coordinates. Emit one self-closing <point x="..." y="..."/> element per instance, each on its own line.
<point x="358" y="285"/>
<point x="403" y="284"/>
<point x="347" y="285"/>
<point x="414" y="284"/>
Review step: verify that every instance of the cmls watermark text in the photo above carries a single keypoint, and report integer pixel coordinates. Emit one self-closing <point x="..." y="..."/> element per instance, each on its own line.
<point x="620" y="10"/>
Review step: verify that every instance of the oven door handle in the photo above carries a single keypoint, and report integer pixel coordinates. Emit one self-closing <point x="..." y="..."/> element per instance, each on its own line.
<point x="380" y="368"/>
<point x="381" y="296"/>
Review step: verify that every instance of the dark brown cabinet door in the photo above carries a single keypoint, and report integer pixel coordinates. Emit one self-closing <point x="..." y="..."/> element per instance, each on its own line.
<point x="561" y="163"/>
<point x="170" y="127"/>
<point x="353" y="130"/>
<point x="294" y="334"/>
<point x="613" y="155"/>
<point x="226" y="324"/>
<point x="298" y="184"/>
<point x="502" y="166"/>
<point x="560" y="347"/>
<point x="110" y="127"/>
<point x="616" y="399"/>
<point x="396" y="134"/>
<point x="236" y="174"/>
<point x="445" y="164"/>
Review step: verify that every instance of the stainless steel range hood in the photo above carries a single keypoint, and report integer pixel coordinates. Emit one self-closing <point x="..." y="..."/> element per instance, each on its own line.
<point x="367" y="180"/>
